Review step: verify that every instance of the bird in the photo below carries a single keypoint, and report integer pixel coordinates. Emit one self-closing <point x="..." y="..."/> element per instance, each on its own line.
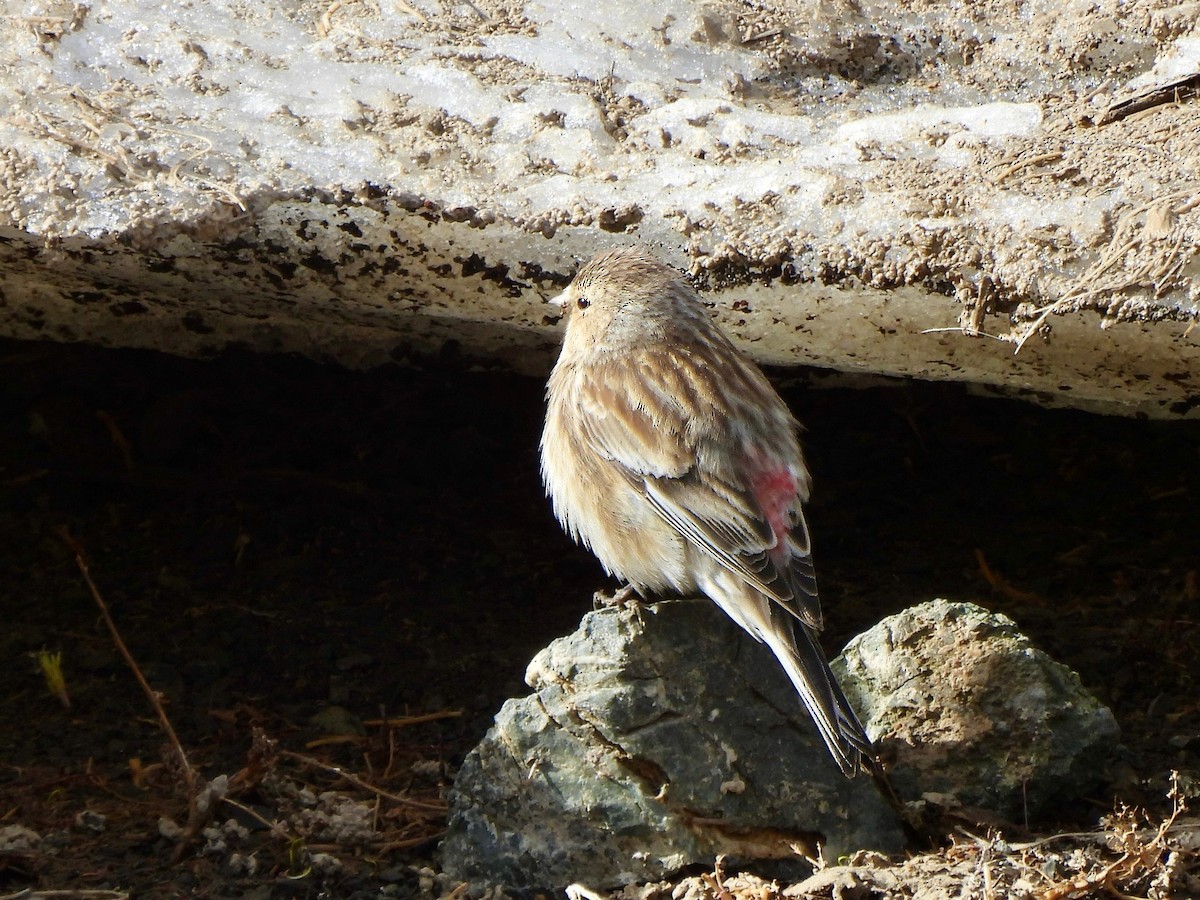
<point x="669" y="455"/>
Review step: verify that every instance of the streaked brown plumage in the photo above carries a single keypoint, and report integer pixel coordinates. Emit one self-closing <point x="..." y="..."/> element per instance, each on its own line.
<point x="669" y="455"/>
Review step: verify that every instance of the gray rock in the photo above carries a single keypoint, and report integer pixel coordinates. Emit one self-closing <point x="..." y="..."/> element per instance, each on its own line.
<point x="651" y="743"/>
<point x="19" y="839"/>
<point x="968" y="707"/>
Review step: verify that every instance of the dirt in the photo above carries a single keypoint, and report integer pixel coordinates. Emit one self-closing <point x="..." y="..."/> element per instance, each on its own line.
<point x="317" y="568"/>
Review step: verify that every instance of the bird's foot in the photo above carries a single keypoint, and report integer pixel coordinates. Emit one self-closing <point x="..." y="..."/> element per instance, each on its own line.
<point x="622" y="598"/>
<point x="628" y="599"/>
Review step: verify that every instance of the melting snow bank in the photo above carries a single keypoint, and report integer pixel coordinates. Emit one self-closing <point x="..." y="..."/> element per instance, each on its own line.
<point x="869" y="189"/>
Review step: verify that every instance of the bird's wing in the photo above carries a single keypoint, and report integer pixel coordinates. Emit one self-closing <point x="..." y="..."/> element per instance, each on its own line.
<point x="733" y="530"/>
<point x="624" y="421"/>
<point x="751" y="525"/>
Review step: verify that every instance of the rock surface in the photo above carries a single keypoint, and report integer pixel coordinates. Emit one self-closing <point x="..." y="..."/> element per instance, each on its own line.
<point x="963" y="705"/>
<point x="660" y="741"/>
<point x="651" y="744"/>
<point x="364" y="182"/>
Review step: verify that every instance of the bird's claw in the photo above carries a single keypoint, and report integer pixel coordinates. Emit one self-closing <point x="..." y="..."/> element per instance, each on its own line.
<point x="622" y="598"/>
<point x="627" y="598"/>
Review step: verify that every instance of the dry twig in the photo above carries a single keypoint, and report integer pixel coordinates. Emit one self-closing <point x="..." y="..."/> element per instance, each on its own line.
<point x="360" y="783"/>
<point x="998" y="582"/>
<point x="1179" y="91"/>
<point x="200" y="793"/>
<point x="189" y="774"/>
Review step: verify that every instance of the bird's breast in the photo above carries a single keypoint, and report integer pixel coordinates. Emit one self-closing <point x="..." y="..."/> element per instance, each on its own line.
<point x="600" y="504"/>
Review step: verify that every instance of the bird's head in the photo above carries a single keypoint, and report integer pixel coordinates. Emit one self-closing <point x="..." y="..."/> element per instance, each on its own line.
<point x="624" y="297"/>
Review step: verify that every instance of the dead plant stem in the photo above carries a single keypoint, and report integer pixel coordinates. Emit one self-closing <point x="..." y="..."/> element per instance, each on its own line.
<point x="189" y="774"/>
<point x="358" y="782"/>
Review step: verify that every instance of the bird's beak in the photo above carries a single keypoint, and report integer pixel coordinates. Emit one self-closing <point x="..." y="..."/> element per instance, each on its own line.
<point x="560" y="300"/>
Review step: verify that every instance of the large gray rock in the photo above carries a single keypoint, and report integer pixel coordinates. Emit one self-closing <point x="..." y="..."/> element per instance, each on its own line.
<point x="967" y="707"/>
<point x="863" y="186"/>
<point x="660" y="740"/>
<point x="652" y="743"/>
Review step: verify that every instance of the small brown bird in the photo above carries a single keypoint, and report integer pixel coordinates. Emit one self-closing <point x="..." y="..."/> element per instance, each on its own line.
<point x="669" y="455"/>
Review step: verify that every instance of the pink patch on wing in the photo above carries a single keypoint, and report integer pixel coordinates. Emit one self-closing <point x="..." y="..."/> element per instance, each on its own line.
<point x="775" y="490"/>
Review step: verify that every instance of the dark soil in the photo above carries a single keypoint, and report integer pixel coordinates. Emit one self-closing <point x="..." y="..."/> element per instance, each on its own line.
<point x="299" y="552"/>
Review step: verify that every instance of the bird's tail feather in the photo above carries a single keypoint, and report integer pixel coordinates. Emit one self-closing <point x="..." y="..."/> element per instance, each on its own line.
<point x="795" y="645"/>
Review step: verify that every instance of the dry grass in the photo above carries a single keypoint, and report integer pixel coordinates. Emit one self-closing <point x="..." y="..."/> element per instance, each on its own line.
<point x="1129" y="856"/>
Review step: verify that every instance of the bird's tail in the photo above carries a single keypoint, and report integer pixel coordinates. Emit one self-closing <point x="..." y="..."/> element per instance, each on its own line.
<point x="795" y="646"/>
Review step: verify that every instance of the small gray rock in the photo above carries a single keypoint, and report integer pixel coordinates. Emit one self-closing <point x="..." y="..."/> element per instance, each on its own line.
<point x="19" y="839"/>
<point x="653" y="741"/>
<point x="971" y="709"/>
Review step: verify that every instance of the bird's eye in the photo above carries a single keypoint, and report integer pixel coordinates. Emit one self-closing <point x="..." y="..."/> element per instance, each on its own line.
<point x="583" y="302"/>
